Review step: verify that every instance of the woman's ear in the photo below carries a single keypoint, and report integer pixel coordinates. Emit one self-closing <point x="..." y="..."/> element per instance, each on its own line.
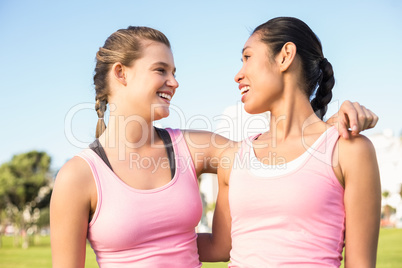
<point x="119" y="73"/>
<point x="287" y="55"/>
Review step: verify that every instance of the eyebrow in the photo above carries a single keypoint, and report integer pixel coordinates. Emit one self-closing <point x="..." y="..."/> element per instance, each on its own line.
<point x="164" y="64"/>
<point x="245" y="48"/>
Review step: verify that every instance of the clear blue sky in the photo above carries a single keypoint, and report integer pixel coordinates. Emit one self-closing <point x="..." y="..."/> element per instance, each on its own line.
<point x="47" y="52"/>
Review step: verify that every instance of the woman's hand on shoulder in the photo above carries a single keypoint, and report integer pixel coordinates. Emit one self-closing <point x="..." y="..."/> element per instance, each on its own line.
<point x="354" y="116"/>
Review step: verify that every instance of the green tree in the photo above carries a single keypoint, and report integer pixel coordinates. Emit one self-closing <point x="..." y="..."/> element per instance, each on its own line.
<point x="25" y="188"/>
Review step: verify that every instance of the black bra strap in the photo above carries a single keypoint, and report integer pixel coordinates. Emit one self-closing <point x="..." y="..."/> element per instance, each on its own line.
<point x="98" y="149"/>
<point x="163" y="134"/>
<point x="167" y="140"/>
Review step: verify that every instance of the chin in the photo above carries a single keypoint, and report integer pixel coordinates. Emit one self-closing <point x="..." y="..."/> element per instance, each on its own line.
<point x="251" y="110"/>
<point x="161" y="114"/>
<point x="255" y="109"/>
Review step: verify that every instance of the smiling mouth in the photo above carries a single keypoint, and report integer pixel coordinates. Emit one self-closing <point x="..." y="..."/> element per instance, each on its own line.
<point x="244" y="90"/>
<point x="165" y="96"/>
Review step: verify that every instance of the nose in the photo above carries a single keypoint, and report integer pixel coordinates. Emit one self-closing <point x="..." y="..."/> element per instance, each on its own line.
<point x="239" y="76"/>
<point x="172" y="82"/>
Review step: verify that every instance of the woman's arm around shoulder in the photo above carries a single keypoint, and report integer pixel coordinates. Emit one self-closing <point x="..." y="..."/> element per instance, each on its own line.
<point x="216" y="246"/>
<point x="362" y="199"/>
<point x="205" y="149"/>
<point x="352" y="115"/>
<point x="73" y="193"/>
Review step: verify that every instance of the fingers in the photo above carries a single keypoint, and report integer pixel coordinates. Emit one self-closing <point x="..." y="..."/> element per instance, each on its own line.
<point x="356" y="117"/>
<point x="350" y="115"/>
<point x="374" y="119"/>
<point x="366" y="118"/>
<point x="360" y="120"/>
<point x="342" y="126"/>
<point x="340" y="120"/>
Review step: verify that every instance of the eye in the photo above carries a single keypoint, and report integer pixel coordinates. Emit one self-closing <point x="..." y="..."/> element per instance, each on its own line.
<point x="244" y="58"/>
<point x="161" y="70"/>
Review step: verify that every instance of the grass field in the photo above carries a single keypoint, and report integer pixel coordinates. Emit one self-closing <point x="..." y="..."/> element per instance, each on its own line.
<point x="39" y="255"/>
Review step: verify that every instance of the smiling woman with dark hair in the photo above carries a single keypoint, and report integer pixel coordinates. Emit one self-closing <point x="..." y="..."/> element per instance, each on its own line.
<point x="297" y="194"/>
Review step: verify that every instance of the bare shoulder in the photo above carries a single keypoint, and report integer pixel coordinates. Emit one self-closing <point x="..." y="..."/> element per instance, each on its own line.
<point x="358" y="145"/>
<point x="75" y="175"/>
<point x="357" y="158"/>
<point x="76" y="168"/>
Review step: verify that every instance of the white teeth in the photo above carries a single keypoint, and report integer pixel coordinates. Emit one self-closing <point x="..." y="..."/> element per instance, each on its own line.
<point x="244" y="89"/>
<point x="165" y="96"/>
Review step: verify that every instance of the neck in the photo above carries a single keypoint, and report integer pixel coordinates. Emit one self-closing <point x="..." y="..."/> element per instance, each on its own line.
<point x="128" y="133"/>
<point x="291" y="115"/>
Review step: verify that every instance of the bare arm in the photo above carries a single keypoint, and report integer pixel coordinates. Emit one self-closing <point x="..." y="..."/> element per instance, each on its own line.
<point x="205" y="148"/>
<point x="216" y="246"/>
<point x="69" y="214"/>
<point x="362" y="201"/>
<point x="354" y="116"/>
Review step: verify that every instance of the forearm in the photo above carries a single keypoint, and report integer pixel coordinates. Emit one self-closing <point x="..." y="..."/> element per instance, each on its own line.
<point x="209" y="251"/>
<point x="216" y="246"/>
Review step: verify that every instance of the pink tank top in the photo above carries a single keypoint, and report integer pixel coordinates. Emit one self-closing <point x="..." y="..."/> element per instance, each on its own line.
<point x="287" y="216"/>
<point x="146" y="228"/>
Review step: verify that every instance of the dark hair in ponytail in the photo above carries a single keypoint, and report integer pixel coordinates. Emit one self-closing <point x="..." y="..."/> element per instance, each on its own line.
<point x="317" y="71"/>
<point x="323" y="94"/>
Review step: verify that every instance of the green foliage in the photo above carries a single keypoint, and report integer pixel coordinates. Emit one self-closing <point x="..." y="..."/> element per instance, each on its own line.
<point x="23" y="177"/>
<point x="25" y="188"/>
<point x="44" y="217"/>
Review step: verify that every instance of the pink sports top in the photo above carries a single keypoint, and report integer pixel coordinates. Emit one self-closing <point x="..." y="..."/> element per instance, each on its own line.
<point x="287" y="216"/>
<point x="146" y="228"/>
